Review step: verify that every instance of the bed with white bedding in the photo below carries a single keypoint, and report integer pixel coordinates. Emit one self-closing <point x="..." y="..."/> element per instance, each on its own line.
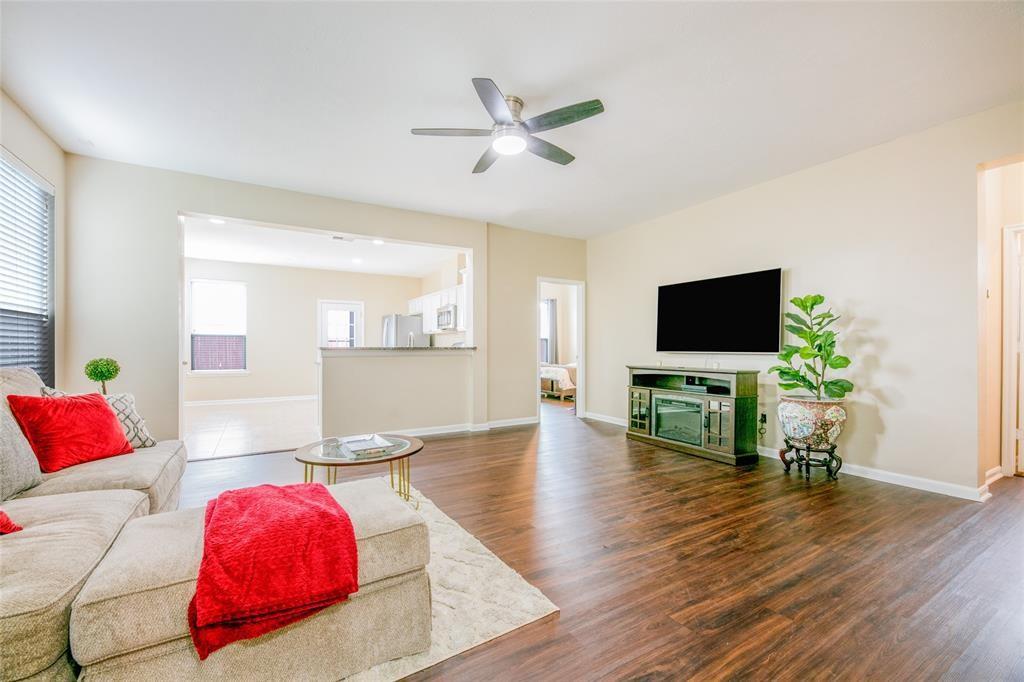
<point x="558" y="380"/>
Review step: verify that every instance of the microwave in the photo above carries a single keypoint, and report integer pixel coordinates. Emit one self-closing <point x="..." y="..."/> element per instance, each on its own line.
<point x="446" y="318"/>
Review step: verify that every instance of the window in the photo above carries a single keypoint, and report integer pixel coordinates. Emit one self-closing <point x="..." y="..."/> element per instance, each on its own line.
<point x="548" y="331"/>
<point x="340" y="324"/>
<point x="218" y="312"/>
<point x="26" y="275"/>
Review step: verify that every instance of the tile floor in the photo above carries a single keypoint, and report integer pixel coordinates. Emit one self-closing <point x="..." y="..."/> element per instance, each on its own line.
<point x="231" y="429"/>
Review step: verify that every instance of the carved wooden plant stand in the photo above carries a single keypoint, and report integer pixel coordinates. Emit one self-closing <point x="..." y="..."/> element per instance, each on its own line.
<point x="802" y="456"/>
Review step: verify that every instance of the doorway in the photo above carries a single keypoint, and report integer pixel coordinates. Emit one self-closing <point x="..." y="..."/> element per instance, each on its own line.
<point x="340" y="324"/>
<point x="1001" y="305"/>
<point x="259" y="301"/>
<point x="560" y="338"/>
<point x="1013" y="346"/>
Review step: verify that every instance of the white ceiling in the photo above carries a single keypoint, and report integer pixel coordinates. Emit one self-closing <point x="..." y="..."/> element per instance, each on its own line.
<point x="702" y="98"/>
<point x="246" y="243"/>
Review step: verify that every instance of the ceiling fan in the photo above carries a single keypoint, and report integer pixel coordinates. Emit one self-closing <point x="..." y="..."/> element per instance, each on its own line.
<point x="510" y="134"/>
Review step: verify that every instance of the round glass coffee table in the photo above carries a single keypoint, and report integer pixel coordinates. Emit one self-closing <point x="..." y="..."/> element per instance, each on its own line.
<point x="331" y="453"/>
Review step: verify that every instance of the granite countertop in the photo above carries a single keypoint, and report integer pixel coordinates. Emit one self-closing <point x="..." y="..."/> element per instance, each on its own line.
<point x="404" y="348"/>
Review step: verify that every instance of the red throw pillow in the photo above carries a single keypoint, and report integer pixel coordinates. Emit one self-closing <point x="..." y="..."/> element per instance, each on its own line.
<point x="6" y="525"/>
<point x="69" y="430"/>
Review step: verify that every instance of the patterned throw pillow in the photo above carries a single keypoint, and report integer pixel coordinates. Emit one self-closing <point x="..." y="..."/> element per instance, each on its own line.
<point x="123" y="405"/>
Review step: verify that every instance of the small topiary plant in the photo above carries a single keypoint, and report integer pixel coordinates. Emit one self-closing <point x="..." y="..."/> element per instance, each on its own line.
<point x="102" y="370"/>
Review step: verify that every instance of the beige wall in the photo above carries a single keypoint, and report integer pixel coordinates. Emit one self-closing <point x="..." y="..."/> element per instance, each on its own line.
<point x="1001" y="204"/>
<point x="565" y="295"/>
<point x="442" y="278"/>
<point x="124" y="265"/>
<point x="281" y="343"/>
<point x="888" y="235"/>
<point x="519" y="259"/>
<point x="20" y="136"/>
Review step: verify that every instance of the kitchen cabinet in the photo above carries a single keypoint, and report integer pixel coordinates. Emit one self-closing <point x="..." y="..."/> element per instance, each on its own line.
<point x="431" y="302"/>
<point x="427" y="305"/>
<point x="460" y="311"/>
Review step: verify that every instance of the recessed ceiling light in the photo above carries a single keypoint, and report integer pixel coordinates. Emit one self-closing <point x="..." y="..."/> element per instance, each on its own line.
<point x="216" y="221"/>
<point x="378" y="242"/>
<point x="357" y="261"/>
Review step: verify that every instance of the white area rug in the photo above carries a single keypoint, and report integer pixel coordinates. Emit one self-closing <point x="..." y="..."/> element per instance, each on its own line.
<point x="476" y="597"/>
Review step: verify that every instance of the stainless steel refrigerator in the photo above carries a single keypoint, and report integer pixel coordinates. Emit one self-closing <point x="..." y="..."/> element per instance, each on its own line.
<point x="402" y="331"/>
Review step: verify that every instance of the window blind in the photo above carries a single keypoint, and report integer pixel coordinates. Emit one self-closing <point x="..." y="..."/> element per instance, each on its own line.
<point x="26" y="276"/>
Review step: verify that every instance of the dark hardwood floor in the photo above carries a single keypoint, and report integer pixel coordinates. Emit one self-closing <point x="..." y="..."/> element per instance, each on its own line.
<point x="667" y="566"/>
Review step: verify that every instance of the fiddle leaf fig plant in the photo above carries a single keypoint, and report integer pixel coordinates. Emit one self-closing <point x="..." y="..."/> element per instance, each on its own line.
<point x="808" y="364"/>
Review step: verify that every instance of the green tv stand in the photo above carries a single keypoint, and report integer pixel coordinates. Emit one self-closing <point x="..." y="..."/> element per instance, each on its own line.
<point x="709" y="413"/>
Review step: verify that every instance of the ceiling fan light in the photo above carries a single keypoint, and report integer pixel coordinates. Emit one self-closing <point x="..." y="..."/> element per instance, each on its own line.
<point x="509" y="142"/>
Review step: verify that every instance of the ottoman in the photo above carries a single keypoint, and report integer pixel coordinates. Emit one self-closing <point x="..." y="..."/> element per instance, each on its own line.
<point x="129" y="621"/>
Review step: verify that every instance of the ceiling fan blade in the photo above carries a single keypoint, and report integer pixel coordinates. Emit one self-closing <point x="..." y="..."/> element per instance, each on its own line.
<point x="546" y="150"/>
<point x="564" y="116"/>
<point x="486" y="160"/>
<point x="493" y="100"/>
<point x="452" y="132"/>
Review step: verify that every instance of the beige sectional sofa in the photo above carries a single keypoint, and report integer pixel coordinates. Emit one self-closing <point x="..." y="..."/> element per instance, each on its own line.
<point x="71" y="518"/>
<point x="129" y="621"/>
<point x="97" y="585"/>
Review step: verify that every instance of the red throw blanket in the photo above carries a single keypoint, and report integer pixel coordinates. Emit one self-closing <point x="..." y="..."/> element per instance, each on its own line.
<point x="272" y="555"/>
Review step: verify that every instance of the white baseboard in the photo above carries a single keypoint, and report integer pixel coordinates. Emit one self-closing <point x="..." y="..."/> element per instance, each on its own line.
<point x="432" y="430"/>
<point x="248" y="401"/>
<point x="518" y="421"/>
<point x="618" y="421"/>
<point x="993" y="475"/>
<point x="473" y="428"/>
<point x="979" y="494"/>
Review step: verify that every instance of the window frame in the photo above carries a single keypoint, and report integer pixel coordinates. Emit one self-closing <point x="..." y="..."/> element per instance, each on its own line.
<point x="359" y="307"/>
<point x="50" y="324"/>
<point x="216" y="372"/>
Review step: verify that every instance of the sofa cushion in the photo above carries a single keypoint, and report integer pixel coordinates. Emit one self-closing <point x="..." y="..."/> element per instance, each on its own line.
<point x="45" y="565"/>
<point x="138" y="596"/>
<point x="154" y="471"/>
<point x="71" y="430"/>
<point x="123" y="405"/>
<point x="19" y="468"/>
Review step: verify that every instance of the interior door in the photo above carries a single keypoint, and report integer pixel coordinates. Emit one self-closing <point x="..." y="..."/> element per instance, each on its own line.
<point x="340" y="324"/>
<point x="1018" y="465"/>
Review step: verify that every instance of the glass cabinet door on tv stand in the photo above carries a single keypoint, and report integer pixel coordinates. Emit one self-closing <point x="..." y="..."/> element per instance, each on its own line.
<point x="639" y="410"/>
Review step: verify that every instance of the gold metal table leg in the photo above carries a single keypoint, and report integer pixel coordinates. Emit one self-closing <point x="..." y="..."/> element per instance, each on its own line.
<point x="404" y="488"/>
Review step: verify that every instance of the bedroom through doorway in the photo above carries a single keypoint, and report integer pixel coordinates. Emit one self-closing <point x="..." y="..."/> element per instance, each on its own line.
<point x="560" y="342"/>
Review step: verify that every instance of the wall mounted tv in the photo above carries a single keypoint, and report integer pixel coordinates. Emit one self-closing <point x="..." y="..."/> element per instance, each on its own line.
<point x="734" y="314"/>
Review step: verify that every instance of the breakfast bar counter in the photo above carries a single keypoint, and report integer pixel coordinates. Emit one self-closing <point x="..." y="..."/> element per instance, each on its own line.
<point x="395" y="390"/>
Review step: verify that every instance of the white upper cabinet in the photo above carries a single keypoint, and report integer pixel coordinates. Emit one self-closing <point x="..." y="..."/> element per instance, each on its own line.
<point x="431" y="302"/>
<point x="427" y="305"/>
<point x="460" y="311"/>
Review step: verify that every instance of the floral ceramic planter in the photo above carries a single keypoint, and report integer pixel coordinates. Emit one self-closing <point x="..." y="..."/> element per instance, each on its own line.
<point x="811" y="423"/>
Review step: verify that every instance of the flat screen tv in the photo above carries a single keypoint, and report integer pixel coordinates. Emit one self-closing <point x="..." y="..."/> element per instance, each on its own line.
<point x="734" y="314"/>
